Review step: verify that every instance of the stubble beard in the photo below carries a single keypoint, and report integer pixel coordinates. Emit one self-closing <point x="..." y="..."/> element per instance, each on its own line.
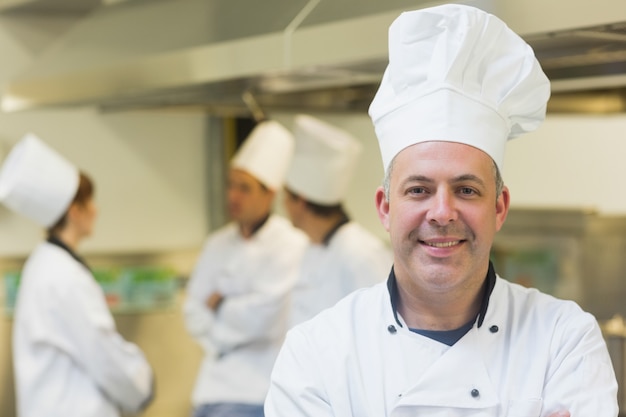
<point x="444" y="272"/>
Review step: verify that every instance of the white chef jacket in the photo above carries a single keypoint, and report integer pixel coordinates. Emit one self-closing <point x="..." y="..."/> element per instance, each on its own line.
<point x="68" y="358"/>
<point x="242" y="338"/>
<point x="532" y="355"/>
<point x="352" y="258"/>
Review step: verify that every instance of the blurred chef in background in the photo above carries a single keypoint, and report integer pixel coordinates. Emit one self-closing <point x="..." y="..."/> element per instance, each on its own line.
<point x="342" y="255"/>
<point x="236" y="305"/>
<point x="68" y="358"/>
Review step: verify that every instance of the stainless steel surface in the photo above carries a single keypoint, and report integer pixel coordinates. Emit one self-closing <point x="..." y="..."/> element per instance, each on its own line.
<point x="582" y="52"/>
<point x="590" y="266"/>
<point x="74" y="7"/>
<point x="601" y="101"/>
<point x="53" y="7"/>
<point x="590" y="247"/>
<point x="292" y="54"/>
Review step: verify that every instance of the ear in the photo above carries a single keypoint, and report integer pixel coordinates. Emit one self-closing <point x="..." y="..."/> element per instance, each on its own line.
<point x="382" y="207"/>
<point x="502" y="207"/>
<point x="72" y="214"/>
<point x="73" y="210"/>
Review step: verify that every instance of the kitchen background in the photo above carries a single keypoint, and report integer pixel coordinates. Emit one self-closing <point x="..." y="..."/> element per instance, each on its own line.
<point x="158" y="159"/>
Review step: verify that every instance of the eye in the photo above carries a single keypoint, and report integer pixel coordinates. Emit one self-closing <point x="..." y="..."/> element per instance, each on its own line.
<point x="416" y="190"/>
<point x="467" y="191"/>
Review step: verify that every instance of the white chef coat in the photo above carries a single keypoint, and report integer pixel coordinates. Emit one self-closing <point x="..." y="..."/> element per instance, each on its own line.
<point x="68" y="358"/>
<point x="352" y="258"/>
<point x="531" y="356"/>
<point x="242" y="338"/>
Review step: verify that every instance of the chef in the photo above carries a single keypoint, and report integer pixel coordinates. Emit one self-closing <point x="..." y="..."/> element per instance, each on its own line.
<point x="445" y="335"/>
<point x="342" y="255"/>
<point x="68" y="358"/>
<point x="237" y="296"/>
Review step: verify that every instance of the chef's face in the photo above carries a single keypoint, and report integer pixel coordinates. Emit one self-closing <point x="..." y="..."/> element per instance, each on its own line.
<point x="248" y="200"/>
<point x="442" y="215"/>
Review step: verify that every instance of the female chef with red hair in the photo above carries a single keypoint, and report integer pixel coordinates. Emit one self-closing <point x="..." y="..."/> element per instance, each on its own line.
<point x="68" y="358"/>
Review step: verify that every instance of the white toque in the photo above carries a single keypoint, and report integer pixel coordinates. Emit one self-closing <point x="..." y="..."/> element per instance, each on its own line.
<point x="37" y="182"/>
<point x="324" y="161"/>
<point x="458" y="74"/>
<point x="265" y="154"/>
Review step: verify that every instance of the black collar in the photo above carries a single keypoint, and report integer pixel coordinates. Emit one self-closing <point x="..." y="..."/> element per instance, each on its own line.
<point x="326" y="241"/>
<point x="58" y="242"/>
<point x="392" y="286"/>
<point x="259" y="224"/>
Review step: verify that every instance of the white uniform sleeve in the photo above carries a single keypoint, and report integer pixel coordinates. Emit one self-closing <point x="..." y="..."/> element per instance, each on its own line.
<point x="581" y="379"/>
<point x="198" y="317"/>
<point x="296" y="387"/>
<point x="88" y="334"/>
<point x="257" y="313"/>
<point x="242" y="319"/>
<point x="260" y="314"/>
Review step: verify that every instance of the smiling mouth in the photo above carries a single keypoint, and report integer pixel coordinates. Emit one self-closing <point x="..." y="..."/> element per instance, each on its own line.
<point x="442" y="244"/>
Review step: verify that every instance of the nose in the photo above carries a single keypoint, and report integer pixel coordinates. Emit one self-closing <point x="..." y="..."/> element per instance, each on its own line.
<point x="443" y="210"/>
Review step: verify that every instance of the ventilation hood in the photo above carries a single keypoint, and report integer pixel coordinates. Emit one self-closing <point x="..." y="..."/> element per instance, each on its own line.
<point x="290" y="54"/>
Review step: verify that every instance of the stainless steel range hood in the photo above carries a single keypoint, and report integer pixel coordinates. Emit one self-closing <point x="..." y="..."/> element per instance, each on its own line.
<point x="291" y="54"/>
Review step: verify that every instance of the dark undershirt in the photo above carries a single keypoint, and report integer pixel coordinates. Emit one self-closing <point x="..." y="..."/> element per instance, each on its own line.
<point x="344" y="220"/>
<point x="449" y="337"/>
<point x="255" y="228"/>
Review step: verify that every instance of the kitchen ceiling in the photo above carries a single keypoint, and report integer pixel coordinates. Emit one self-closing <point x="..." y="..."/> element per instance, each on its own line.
<point x="586" y="66"/>
<point x="292" y="55"/>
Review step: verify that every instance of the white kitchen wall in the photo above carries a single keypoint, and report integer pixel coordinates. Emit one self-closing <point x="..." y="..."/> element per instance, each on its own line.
<point x="572" y="162"/>
<point x="148" y="169"/>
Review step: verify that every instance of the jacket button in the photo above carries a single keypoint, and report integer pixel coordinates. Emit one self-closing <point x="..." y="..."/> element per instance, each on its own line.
<point x="494" y="329"/>
<point x="391" y="329"/>
<point x="475" y="393"/>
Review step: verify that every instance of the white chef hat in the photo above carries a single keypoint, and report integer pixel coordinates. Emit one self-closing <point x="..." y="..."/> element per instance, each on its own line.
<point x="37" y="182"/>
<point x="458" y="74"/>
<point x="266" y="153"/>
<point x="323" y="162"/>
